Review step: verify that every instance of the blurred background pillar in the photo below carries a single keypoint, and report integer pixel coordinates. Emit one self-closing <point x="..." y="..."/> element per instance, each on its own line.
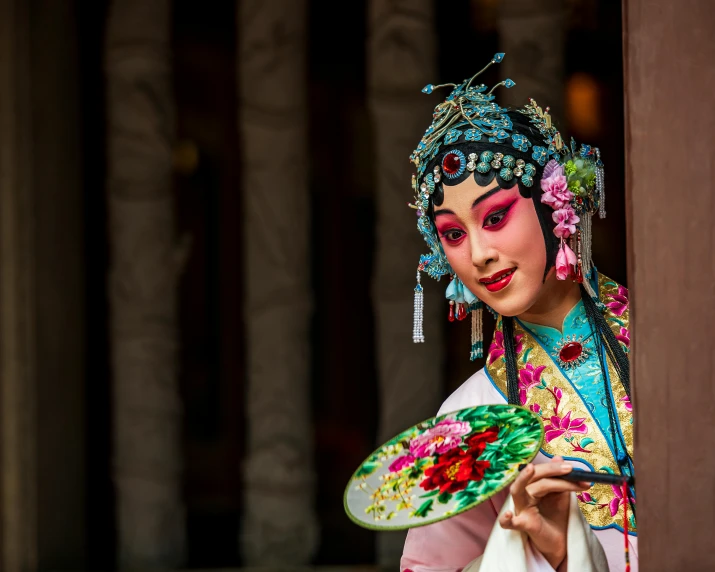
<point x="42" y="320"/>
<point x="533" y="36"/>
<point x="670" y="129"/>
<point x="401" y="61"/>
<point x="279" y="525"/>
<point x="145" y="262"/>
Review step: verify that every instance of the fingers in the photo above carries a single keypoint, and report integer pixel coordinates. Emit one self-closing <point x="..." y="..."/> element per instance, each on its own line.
<point x="533" y="473"/>
<point x="539" y="489"/>
<point x="506" y="520"/>
<point x="518" y="488"/>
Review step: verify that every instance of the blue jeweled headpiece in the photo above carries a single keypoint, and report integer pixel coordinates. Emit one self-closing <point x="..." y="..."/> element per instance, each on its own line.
<point x="470" y="114"/>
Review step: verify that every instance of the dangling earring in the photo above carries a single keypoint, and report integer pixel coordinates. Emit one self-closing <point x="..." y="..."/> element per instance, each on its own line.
<point x="477" y="312"/>
<point x="418" y="335"/>
<point x="466" y="302"/>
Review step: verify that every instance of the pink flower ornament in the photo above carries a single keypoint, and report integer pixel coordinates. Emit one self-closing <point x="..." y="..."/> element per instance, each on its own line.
<point x="565" y="219"/>
<point x="443" y="437"/>
<point x="555" y="187"/>
<point x="565" y="259"/>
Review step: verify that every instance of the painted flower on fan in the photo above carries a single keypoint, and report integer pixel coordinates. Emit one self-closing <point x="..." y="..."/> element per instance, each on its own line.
<point x="454" y="471"/>
<point x="565" y="260"/>
<point x="556" y="189"/>
<point x="402" y="462"/>
<point x="566" y="220"/>
<point x="528" y="378"/>
<point x="564" y="426"/>
<point x="478" y="442"/>
<point x="496" y="350"/>
<point x="624" y="337"/>
<point x="443" y="437"/>
<point x="620" y="301"/>
<point x="584" y="497"/>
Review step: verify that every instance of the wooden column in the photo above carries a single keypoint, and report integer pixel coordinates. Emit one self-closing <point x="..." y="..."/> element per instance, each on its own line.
<point x="143" y="285"/>
<point x="279" y="526"/>
<point x="401" y="61"/>
<point x="670" y="137"/>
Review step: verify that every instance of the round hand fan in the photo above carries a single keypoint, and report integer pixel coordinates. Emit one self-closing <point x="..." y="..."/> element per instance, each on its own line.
<point x="442" y="466"/>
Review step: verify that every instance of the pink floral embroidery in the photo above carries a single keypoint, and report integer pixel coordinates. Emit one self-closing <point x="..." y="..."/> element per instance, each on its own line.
<point x="624" y="337"/>
<point x="566" y="220"/>
<point x="627" y="401"/>
<point x="496" y="350"/>
<point x="617" y="501"/>
<point x="401" y="462"/>
<point x="444" y="436"/>
<point x="535" y="407"/>
<point x="528" y="378"/>
<point x="565" y="426"/>
<point x="584" y="497"/>
<point x="620" y="301"/>
<point x="565" y="259"/>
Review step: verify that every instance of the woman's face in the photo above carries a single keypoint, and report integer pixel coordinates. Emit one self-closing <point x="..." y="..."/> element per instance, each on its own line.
<point x="493" y="241"/>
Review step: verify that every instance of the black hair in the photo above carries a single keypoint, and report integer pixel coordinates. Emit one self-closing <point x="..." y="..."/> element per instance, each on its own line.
<point x="522" y="125"/>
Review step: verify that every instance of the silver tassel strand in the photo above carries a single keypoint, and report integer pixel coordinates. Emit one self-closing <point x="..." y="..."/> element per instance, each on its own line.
<point x="600" y="186"/>
<point x="418" y="335"/>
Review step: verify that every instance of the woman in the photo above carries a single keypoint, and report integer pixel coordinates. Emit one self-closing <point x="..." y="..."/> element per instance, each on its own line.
<point x="505" y="208"/>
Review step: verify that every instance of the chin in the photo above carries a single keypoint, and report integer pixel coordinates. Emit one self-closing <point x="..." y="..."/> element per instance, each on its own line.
<point x="512" y="301"/>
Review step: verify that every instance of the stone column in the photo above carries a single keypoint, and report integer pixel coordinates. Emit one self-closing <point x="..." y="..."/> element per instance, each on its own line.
<point x="533" y="36"/>
<point x="401" y="61"/>
<point x="279" y="526"/>
<point x="42" y="410"/>
<point x="146" y="260"/>
<point x="18" y="471"/>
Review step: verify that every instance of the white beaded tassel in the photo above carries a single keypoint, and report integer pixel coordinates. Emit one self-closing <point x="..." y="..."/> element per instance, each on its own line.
<point x="600" y="186"/>
<point x="418" y="336"/>
<point x="477" y="334"/>
<point x="586" y="239"/>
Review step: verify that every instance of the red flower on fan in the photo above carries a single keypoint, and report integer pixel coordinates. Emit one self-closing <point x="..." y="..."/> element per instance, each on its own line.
<point x="454" y="471"/>
<point x="478" y="442"/>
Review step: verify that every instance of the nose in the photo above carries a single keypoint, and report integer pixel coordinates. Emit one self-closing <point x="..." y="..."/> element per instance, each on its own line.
<point x="483" y="253"/>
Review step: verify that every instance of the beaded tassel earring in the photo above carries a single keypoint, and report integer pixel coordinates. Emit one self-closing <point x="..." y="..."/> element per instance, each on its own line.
<point x="418" y="335"/>
<point x="477" y="311"/>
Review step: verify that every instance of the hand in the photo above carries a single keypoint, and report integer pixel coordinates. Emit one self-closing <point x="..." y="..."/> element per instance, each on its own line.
<point x="542" y="505"/>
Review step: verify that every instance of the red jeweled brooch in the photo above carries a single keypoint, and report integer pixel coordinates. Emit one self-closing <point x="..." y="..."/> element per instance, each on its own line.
<point x="570" y="352"/>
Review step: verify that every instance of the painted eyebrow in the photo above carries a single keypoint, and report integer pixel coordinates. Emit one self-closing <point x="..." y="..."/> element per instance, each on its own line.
<point x="478" y="200"/>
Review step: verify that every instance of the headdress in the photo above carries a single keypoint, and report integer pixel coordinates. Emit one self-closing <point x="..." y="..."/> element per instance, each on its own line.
<point x="572" y="183"/>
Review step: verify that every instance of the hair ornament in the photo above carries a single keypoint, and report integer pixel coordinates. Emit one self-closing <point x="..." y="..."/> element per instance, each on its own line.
<point x="572" y="179"/>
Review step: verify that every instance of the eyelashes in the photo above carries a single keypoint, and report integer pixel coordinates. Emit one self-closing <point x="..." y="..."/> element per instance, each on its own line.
<point x="497" y="218"/>
<point x="494" y="220"/>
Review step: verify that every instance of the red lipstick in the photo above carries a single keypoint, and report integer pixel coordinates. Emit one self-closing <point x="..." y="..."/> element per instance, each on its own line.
<point x="498" y="281"/>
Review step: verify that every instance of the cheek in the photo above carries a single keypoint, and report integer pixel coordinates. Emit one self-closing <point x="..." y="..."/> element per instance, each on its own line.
<point x="522" y="241"/>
